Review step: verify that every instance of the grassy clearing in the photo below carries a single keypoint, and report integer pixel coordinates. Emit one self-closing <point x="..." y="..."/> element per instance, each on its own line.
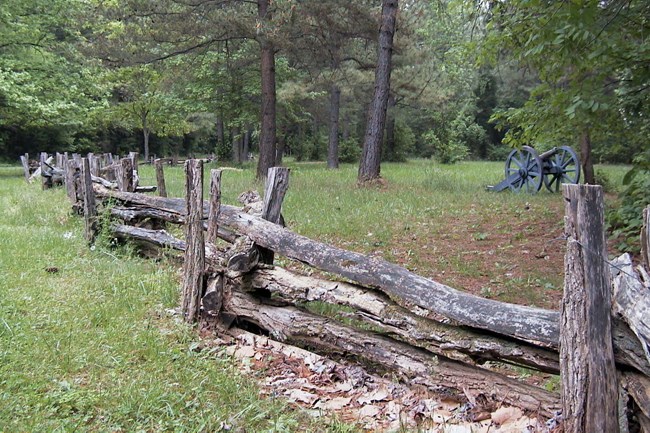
<point x="87" y="344"/>
<point x="436" y="220"/>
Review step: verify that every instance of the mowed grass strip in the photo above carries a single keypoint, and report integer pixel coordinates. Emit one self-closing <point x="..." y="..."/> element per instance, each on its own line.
<point x="87" y="344"/>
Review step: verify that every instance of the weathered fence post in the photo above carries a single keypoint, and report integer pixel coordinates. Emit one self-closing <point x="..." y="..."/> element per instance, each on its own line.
<point x="71" y="168"/>
<point x="160" y="178"/>
<point x="194" y="263"/>
<point x="93" y="160"/>
<point x="90" y="209"/>
<point x="589" y="383"/>
<point x="46" y="182"/>
<point x="24" y="160"/>
<point x="277" y="183"/>
<point x="645" y="238"/>
<point x="125" y="175"/>
<point x="215" y="205"/>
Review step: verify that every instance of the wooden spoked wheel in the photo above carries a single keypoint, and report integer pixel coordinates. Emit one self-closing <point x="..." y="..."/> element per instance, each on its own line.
<point x="561" y="167"/>
<point x="527" y="166"/>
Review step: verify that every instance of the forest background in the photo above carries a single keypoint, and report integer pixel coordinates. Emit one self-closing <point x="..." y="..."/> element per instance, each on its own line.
<point x="233" y="78"/>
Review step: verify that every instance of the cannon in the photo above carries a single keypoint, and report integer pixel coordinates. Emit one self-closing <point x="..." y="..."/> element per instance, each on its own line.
<point x="526" y="170"/>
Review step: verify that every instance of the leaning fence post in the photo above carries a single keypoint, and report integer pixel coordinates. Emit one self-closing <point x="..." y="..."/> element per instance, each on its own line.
<point x="160" y="178"/>
<point x="24" y="160"/>
<point x="215" y="205"/>
<point x="277" y="183"/>
<point x="194" y="263"/>
<point x="589" y="384"/>
<point x="46" y="182"/>
<point x="90" y="209"/>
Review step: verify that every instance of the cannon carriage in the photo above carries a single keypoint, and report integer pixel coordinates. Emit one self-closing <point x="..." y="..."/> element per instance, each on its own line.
<point x="527" y="171"/>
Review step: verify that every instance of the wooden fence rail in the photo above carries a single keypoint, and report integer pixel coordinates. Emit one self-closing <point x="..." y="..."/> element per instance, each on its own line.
<point x="426" y="331"/>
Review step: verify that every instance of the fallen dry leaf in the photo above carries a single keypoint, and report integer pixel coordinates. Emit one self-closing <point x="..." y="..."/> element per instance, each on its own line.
<point x="336" y="403"/>
<point x="506" y="414"/>
<point x="378" y="394"/>
<point x="245" y="352"/>
<point x="298" y="395"/>
<point x="369" y="411"/>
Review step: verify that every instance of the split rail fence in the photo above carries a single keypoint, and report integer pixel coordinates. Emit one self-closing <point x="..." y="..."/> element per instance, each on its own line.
<point x="423" y="331"/>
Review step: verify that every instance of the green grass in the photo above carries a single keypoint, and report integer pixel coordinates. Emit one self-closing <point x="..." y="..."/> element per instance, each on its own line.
<point x="87" y="344"/>
<point x="91" y="346"/>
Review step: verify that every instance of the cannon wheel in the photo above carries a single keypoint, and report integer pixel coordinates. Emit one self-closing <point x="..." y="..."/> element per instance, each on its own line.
<point x="526" y="163"/>
<point x="561" y="167"/>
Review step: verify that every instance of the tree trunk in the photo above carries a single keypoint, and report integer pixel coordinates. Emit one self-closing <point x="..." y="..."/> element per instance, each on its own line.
<point x="333" y="145"/>
<point x="221" y="136"/>
<point x="585" y="157"/>
<point x="369" y="167"/>
<point x="247" y="143"/>
<point x="145" y="136"/>
<point x="267" y="132"/>
<point x="390" y="130"/>
<point x="236" y="145"/>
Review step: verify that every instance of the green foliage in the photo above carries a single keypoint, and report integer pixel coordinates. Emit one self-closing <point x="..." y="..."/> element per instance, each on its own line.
<point x="587" y="55"/>
<point x="626" y="219"/>
<point x="404" y="143"/>
<point x="349" y="150"/>
<point x="447" y="152"/>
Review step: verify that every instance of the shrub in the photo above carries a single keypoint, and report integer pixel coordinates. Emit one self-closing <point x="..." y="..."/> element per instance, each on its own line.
<point x="626" y="220"/>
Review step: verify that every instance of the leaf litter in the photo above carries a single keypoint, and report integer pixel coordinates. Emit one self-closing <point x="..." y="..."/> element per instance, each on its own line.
<point x="321" y="386"/>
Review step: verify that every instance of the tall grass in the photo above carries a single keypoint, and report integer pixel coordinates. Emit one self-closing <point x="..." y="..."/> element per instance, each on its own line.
<point x="88" y="343"/>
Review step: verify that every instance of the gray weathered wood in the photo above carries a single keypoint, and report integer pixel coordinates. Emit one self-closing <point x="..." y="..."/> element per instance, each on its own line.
<point x="60" y="160"/>
<point x="125" y="175"/>
<point x="72" y="180"/>
<point x="24" y="160"/>
<point x="46" y="181"/>
<point x="645" y="238"/>
<point x="632" y="300"/>
<point x="415" y="365"/>
<point x="90" y="209"/>
<point x="461" y="344"/>
<point x="589" y="385"/>
<point x="243" y="256"/>
<point x="277" y="183"/>
<point x="194" y="263"/>
<point x="94" y="164"/>
<point x="215" y="205"/>
<point x="212" y="301"/>
<point x="160" y="178"/>
<point x="404" y="287"/>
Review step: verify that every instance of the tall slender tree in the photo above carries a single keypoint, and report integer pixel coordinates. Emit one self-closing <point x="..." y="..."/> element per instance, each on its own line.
<point x="369" y="166"/>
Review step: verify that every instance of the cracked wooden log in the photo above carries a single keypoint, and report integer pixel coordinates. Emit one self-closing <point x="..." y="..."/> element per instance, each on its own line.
<point x="243" y="256"/>
<point x="453" y="342"/>
<point x="376" y="309"/>
<point x="632" y="300"/>
<point x="416" y="365"/>
<point x="405" y="288"/>
<point x="160" y="178"/>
